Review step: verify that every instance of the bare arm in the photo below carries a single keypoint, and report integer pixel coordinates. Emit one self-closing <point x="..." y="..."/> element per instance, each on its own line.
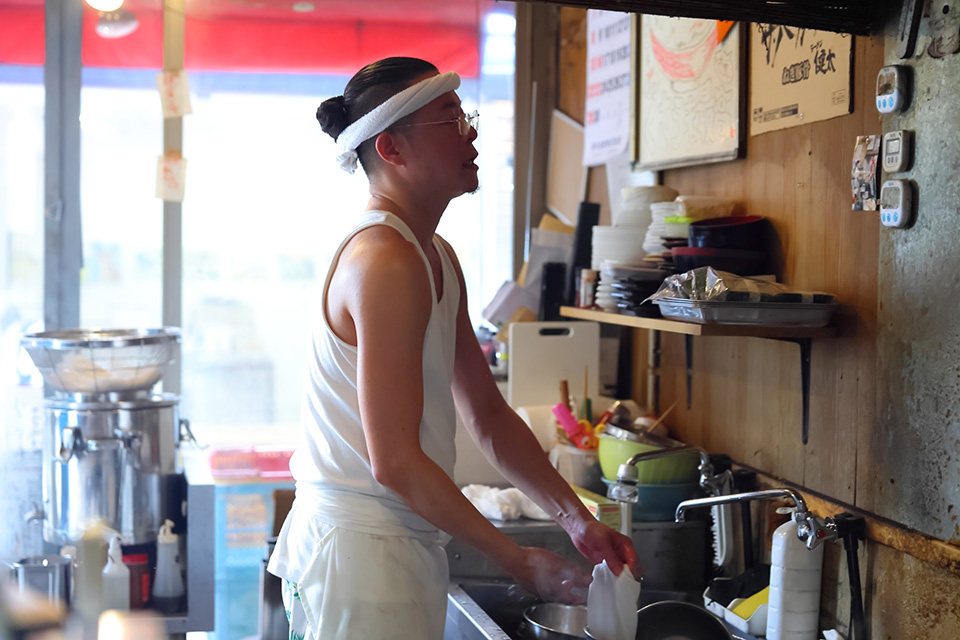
<point x="511" y="446"/>
<point x="389" y="304"/>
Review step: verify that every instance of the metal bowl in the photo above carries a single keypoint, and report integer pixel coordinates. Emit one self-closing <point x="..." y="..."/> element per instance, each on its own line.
<point x="94" y="361"/>
<point x="675" y="620"/>
<point x="556" y="621"/>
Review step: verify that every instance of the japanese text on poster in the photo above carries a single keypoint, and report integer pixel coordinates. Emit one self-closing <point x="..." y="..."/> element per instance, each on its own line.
<point x="607" y="116"/>
<point x="797" y="76"/>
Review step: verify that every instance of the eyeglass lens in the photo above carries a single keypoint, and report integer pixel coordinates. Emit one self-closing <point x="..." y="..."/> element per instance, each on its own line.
<point x="468" y="121"/>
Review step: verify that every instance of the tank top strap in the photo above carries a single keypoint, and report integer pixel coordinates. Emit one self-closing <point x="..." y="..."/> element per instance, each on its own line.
<point x="387" y="219"/>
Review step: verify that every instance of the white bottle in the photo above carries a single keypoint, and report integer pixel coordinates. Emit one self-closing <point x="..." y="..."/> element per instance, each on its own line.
<point x="116" y="579"/>
<point x="91" y="558"/>
<point x="168" y="584"/>
<point x="793" y="609"/>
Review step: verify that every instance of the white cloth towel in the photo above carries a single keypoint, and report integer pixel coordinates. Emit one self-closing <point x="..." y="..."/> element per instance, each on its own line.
<point x="398" y="106"/>
<point x="503" y="504"/>
<point x="612" y="604"/>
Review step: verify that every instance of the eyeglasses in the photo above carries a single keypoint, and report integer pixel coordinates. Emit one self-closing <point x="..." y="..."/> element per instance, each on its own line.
<point x="465" y="122"/>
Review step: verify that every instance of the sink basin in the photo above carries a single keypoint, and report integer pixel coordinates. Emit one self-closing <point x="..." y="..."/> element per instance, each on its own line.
<point x="483" y="603"/>
<point x="486" y="610"/>
<point x="479" y="609"/>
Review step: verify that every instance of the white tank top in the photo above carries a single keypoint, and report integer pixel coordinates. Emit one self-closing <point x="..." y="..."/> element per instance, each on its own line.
<point x="332" y="465"/>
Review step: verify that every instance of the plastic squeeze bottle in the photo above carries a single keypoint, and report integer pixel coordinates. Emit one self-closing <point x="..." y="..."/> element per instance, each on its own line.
<point x="793" y="607"/>
<point x="168" y="584"/>
<point x="116" y="579"/>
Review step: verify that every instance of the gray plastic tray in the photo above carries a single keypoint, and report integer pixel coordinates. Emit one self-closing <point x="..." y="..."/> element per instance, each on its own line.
<point x="767" y="314"/>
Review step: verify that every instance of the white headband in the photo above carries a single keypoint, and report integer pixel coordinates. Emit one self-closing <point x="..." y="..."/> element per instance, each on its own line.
<point x="384" y="115"/>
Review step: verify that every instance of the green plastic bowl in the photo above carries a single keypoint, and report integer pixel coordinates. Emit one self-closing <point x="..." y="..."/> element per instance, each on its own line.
<point x="678" y="468"/>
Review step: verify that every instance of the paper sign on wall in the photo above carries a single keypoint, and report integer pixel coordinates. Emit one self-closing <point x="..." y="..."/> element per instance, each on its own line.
<point x="174" y="93"/>
<point x="607" y="115"/>
<point x="171" y="176"/>
<point x="797" y="76"/>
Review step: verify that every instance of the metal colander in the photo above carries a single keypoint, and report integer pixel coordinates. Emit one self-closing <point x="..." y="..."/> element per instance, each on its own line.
<point x="94" y="361"/>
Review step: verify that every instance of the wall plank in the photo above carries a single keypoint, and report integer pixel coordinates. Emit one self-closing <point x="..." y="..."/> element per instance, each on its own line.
<point x="799" y="179"/>
<point x="746" y="391"/>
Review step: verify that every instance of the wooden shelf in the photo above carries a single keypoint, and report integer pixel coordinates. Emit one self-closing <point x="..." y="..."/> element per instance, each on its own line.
<point x="801" y="336"/>
<point x="693" y="329"/>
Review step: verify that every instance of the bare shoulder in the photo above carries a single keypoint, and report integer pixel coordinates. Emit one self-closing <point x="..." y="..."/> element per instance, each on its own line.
<point x="379" y="248"/>
<point x="379" y="276"/>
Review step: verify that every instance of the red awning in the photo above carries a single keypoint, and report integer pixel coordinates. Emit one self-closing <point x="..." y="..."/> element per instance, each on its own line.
<point x="237" y="44"/>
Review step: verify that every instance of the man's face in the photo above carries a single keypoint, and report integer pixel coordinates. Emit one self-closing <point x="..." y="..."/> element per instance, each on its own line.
<point x="441" y="154"/>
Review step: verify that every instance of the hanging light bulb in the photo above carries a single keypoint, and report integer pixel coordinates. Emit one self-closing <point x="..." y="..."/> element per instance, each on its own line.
<point x="105" y="5"/>
<point x="116" y="24"/>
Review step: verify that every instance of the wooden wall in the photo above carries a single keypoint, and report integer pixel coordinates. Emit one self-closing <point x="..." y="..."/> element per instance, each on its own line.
<point x="746" y="391"/>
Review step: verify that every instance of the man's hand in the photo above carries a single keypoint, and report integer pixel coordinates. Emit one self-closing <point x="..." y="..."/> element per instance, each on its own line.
<point x="550" y="576"/>
<point x="598" y="542"/>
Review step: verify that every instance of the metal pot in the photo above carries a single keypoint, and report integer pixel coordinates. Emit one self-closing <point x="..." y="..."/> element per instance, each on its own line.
<point x="553" y="621"/>
<point x="47" y="576"/>
<point x="109" y="461"/>
<point x="674" y="620"/>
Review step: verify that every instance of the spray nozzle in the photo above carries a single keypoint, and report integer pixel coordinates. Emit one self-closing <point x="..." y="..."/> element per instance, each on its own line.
<point x="166" y="535"/>
<point x="114" y="551"/>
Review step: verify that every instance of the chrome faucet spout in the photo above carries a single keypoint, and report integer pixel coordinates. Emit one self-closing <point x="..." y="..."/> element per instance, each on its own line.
<point x="659" y="453"/>
<point x="767" y="494"/>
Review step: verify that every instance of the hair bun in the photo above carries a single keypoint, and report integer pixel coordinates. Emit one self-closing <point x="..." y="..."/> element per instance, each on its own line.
<point x="332" y="116"/>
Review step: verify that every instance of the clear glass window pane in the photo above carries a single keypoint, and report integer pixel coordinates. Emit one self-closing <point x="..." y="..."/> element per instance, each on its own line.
<point x="21" y="303"/>
<point x="121" y="130"/>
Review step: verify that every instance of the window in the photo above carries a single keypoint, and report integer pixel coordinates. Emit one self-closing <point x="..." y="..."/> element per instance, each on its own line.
<point x="265" y="208"/>
<point x="21" y="302"/>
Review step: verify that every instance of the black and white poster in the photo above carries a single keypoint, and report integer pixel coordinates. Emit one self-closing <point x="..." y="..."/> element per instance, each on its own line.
<point x="797" y="76"/>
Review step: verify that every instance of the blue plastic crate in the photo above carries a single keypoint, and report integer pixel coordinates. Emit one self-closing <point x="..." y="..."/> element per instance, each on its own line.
<point x="243" y="522"/>
<point x="236" y="616"/>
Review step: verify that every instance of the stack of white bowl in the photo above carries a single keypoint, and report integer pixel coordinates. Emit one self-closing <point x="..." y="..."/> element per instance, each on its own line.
<point x="659" y="227"/>
<point x="622" y="244"/>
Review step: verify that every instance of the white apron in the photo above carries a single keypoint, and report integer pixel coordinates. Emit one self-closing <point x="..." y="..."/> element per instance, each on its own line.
<point x="363" y="564"/>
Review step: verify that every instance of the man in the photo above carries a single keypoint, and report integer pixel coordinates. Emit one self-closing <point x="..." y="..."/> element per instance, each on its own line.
<point x="393" y="356"/>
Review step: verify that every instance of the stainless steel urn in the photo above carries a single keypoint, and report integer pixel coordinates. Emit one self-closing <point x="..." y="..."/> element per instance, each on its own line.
<point x="110" y="443"/>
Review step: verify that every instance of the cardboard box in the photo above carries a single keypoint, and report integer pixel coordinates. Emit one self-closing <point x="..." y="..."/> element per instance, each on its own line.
<point x="603" y="509"/>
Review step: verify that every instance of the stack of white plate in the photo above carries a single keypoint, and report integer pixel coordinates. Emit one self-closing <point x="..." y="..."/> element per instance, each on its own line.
<point x="658" y="229"/>
<point x="623" y="244"/>
<point x="634" y="209"/>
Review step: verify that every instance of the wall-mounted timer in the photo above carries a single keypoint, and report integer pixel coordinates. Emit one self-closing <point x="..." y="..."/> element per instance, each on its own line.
<point x="896" y="203"/>
<point x="896" y="151"/>
<point x="891" y="88"/>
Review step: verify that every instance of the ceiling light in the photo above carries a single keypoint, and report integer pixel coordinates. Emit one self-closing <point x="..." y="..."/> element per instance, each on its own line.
<point x="303" y="7"/>
<point x="116" y="24"/>
<point x="105" y="5"/>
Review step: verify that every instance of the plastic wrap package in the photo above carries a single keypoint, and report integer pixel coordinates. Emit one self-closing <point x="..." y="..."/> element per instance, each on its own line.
<point x="705" y="295"/>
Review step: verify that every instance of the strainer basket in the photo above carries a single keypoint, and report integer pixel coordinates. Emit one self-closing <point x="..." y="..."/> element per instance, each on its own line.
<point x="95" y="361"/>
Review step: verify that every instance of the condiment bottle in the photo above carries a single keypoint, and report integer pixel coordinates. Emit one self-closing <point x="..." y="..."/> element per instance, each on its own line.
<point x="168" y="585"/>
<point x="793" y="608"/>
<point x="116" y="579"/>
<point x="139" y="579"/>
<point x="588" y="288"/>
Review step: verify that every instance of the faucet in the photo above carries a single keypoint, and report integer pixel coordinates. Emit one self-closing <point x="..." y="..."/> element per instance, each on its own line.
<point x="624" y="490"/>
<point x="810" y="529"/>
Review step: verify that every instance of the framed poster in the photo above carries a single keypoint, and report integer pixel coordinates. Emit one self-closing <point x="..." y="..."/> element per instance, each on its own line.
<point x="797" y="76"/>
<point x="691" y="92"/>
